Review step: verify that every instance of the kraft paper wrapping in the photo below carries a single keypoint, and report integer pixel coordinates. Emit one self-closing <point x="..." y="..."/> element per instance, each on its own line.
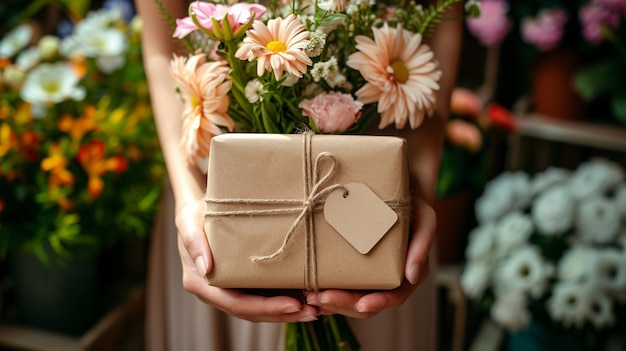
<point x="270" y="166"/>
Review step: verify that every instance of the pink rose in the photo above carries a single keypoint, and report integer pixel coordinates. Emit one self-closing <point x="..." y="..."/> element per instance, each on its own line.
<point x="332" y="112"/>
<point x="464" y="134"/>
<point x="493" y="24"/>
<point x="238" y="14"/>
<point x="546" y="30"/>
<point x="464" y="102"/>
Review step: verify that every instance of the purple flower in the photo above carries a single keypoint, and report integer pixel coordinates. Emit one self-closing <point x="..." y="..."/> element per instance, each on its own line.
<point x="546" y="30"/>
<point x="493" y="24"/>
<point x="596" y="15"/>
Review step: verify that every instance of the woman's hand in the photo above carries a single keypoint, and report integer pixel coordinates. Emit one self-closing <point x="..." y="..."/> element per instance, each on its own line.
<point x="197" y="261"/>
<point x="363" y="304"/>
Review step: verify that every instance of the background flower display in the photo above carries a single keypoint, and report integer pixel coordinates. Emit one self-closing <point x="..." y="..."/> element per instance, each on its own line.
<point x="584" y="37"/>
<point x="550" y="249"/>
<point x="80" y="164"/>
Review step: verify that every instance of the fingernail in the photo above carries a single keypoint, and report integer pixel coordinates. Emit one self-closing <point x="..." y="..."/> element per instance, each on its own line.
<point x="307" y="319"/>
<point x="201" y="266"/>
<point x="292" y="309"/>
<point x="413" y="274"/>
<point x="311" y="299"/>
<point x="361" y="308"/>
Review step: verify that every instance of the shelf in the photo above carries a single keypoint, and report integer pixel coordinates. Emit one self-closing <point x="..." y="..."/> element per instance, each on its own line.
<point x="584" y="133"/>
<point x="114" y="331"/>
<point x="545" y="130"/>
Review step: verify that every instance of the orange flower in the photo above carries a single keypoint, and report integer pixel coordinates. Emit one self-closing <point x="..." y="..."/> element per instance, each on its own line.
<point x="92" y="157"/>
<point x="78" y="127"/>
<point x="401" y="74"/>
<point x="56" y="163"/>
<point x="203" y="87"/>
<point x="278" y="47"/>
<point x="79" y="66"/>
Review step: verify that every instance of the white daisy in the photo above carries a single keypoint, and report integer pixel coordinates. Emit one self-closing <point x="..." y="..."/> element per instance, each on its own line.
<point x="525" y="270"/>
<point x="574" y="265"/>
<point x="51" y="83"/>
<point x="598" y="220"/>
<point x="595" y="177"/>
<point x="481" y="242"/>
<point x="508" y="191"/>
<point x="254" y="90"/>
<point x="512" y="231"/>
<point x="553" y="211"/>
<point x="510" y="311"/>
<point x="570" y="303"/>
<point x="475" y="279"/>
<point x="608" y="269"/>
<point x="550" y="177"/>
<point x="28" y="58"/>
<point x="601" y="310"/>
<point x="15" y="40"/>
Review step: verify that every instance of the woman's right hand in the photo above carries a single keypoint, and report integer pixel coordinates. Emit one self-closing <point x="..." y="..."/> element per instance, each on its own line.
<point x="197" y="262"/>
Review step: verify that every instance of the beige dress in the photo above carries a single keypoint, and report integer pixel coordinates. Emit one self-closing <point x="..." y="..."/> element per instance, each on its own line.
<point x="178" y="321"/>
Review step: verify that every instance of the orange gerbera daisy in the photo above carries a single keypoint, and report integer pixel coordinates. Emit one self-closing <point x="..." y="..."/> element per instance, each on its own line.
<point x="401" y="74"/>
<point x="203" y="87"/>
<point x="279" y="46"/>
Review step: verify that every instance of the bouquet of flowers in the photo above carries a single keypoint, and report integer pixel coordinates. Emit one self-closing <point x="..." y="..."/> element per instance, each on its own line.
<point x="330" y="66"/>
<point x="76" y="127"/>
<point x="550" y="249"/>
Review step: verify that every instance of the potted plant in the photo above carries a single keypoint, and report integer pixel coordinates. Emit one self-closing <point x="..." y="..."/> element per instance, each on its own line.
<point x="80" y="163"/>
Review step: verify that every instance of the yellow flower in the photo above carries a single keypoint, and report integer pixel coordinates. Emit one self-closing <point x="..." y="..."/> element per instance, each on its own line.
<point x="278" y="47"/>
<point x="401" y="75"/>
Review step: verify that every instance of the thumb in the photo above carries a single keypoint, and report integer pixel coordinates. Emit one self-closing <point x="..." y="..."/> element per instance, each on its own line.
<point x="190" y="225"/>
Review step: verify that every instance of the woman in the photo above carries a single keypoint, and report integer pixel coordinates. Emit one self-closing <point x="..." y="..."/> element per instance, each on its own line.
<point x="399" y="319"/>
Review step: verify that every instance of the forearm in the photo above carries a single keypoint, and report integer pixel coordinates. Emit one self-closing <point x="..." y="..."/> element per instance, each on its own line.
<point x="426" y="141"/>
<point x="187" y="181"/>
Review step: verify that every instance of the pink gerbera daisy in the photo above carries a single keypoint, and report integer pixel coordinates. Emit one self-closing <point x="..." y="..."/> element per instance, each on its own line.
<point x="401" y="75"/>
<point x="278" y="47"/>
<point x="203" y="87"/>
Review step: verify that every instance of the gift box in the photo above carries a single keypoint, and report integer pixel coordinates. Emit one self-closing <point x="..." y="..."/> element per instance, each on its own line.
<point x="306" y="211"/>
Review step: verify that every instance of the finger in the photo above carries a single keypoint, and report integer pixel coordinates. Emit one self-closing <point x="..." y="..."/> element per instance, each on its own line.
<point x="380" y="300"/>
<point x="190" y="224"/>
<point x="338" y="302"/>
<point x="421" y="242"/>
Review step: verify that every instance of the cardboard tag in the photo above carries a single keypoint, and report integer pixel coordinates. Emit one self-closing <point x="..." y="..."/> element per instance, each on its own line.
<point x="361" y="217"/>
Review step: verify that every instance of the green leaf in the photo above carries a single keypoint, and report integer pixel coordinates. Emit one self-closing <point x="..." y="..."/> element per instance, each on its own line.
<point x="618" y="106"/>
<point x="599" y="79"/>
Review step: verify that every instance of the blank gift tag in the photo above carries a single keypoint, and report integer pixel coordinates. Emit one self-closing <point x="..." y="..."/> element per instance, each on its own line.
<point x="361" y="217"/>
